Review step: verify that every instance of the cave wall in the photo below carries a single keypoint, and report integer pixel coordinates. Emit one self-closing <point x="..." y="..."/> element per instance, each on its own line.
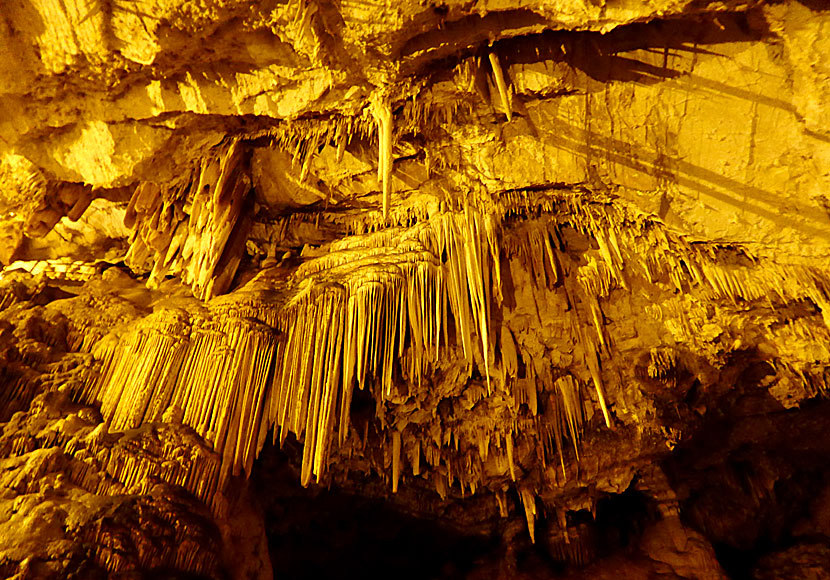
<point x="549" y="282"/>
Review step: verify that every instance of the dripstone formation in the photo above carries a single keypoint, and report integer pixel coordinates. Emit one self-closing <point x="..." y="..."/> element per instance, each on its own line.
<point x="414" y="289"/>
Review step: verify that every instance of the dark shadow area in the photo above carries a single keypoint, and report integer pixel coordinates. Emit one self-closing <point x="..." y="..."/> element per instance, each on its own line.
<point x="815" y="5"/>
<point x="170" y="574"/>
<point x="462" y="34"/>
<point x="621" y="520"/>
<point x="328" y="533"/>
<point x="615" y="528"/>
<point x="599" y="55"/>
<point x="755" y="479"/>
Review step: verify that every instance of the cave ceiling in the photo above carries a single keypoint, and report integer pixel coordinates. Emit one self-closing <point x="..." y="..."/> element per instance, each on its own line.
<point x="504" y="266"/>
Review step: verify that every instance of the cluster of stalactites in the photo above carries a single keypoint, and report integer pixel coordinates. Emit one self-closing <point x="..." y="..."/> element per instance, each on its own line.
<point x="382" y="303"/>
<point x="538" y="247"/>
<point x="482" y="452"/>
<point x="115" y="466"/>
<point x="302" y="138"/>
<point x="196" y="230"/>
<point x="211" y="372"/>
<point x="384" y="119"/>
<point x="376" y="301"/>
<point x="418" y="114"/>
<point x="355" y="312"/>
<point x="374" y="304"/>
<point x="632" y="244"/>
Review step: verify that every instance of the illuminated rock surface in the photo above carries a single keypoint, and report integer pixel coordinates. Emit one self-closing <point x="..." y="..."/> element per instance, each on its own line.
<point x="427" y="290"/>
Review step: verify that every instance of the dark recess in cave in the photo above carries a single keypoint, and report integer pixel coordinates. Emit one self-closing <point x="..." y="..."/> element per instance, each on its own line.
<point x="316" y="532"/>
<point x="750" y="478"/>
<point x="621" y="519"/>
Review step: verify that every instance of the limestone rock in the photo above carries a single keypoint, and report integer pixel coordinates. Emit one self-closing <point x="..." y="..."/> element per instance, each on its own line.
<point x="425" y="289"/>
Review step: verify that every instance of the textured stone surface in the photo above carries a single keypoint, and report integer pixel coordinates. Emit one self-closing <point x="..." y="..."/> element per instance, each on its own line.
<point x="540" y="289"/>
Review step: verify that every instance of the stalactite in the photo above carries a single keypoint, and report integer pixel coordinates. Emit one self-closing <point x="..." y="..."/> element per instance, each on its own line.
<point x="528" y="498"/>
<point x="396" y="460"/>
<point x="382" y="112"/>
<point x="501" y="85"/>
<point x="510" y="462"/>
<point x="568" y="389"/>
<point x="592" y="362"/>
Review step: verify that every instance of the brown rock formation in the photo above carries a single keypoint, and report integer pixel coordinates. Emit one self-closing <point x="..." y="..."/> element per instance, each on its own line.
<point x="434" y="290"/>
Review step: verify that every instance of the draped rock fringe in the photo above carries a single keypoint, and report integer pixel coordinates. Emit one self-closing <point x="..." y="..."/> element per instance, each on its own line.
<point x="215" y="372"/>
<point x="131" y="466"/>
<point x="133" y="473"/>
<point x="52" y="269"/>
<point x="399" y="216"/>
<point x="356" y="311"/>
<point x="18" y="392"/>
<point x="420" y="113"/>
<point x="296" y="136"/>
<point x="635" y="244"/>
<point x="193" y="229"/>
<point x="302" y="138"/>
<point x="389" y="296"/>
<point x="380" y="300"/>
<point x="423" y="113"/>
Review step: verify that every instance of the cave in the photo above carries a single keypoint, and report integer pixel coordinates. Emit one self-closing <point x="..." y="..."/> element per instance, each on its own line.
<point x="297" y="289"/>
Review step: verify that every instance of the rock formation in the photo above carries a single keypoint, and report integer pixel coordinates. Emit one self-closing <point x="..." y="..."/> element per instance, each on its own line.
<point x="304" y="289"/>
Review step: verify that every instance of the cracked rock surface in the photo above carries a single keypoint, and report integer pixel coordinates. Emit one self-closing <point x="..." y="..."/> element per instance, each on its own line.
<point x="461" y="289"/>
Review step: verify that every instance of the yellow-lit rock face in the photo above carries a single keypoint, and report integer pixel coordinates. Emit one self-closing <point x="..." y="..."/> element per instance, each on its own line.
<point x="489" y="262"/>
<point x="101" y="155"/>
